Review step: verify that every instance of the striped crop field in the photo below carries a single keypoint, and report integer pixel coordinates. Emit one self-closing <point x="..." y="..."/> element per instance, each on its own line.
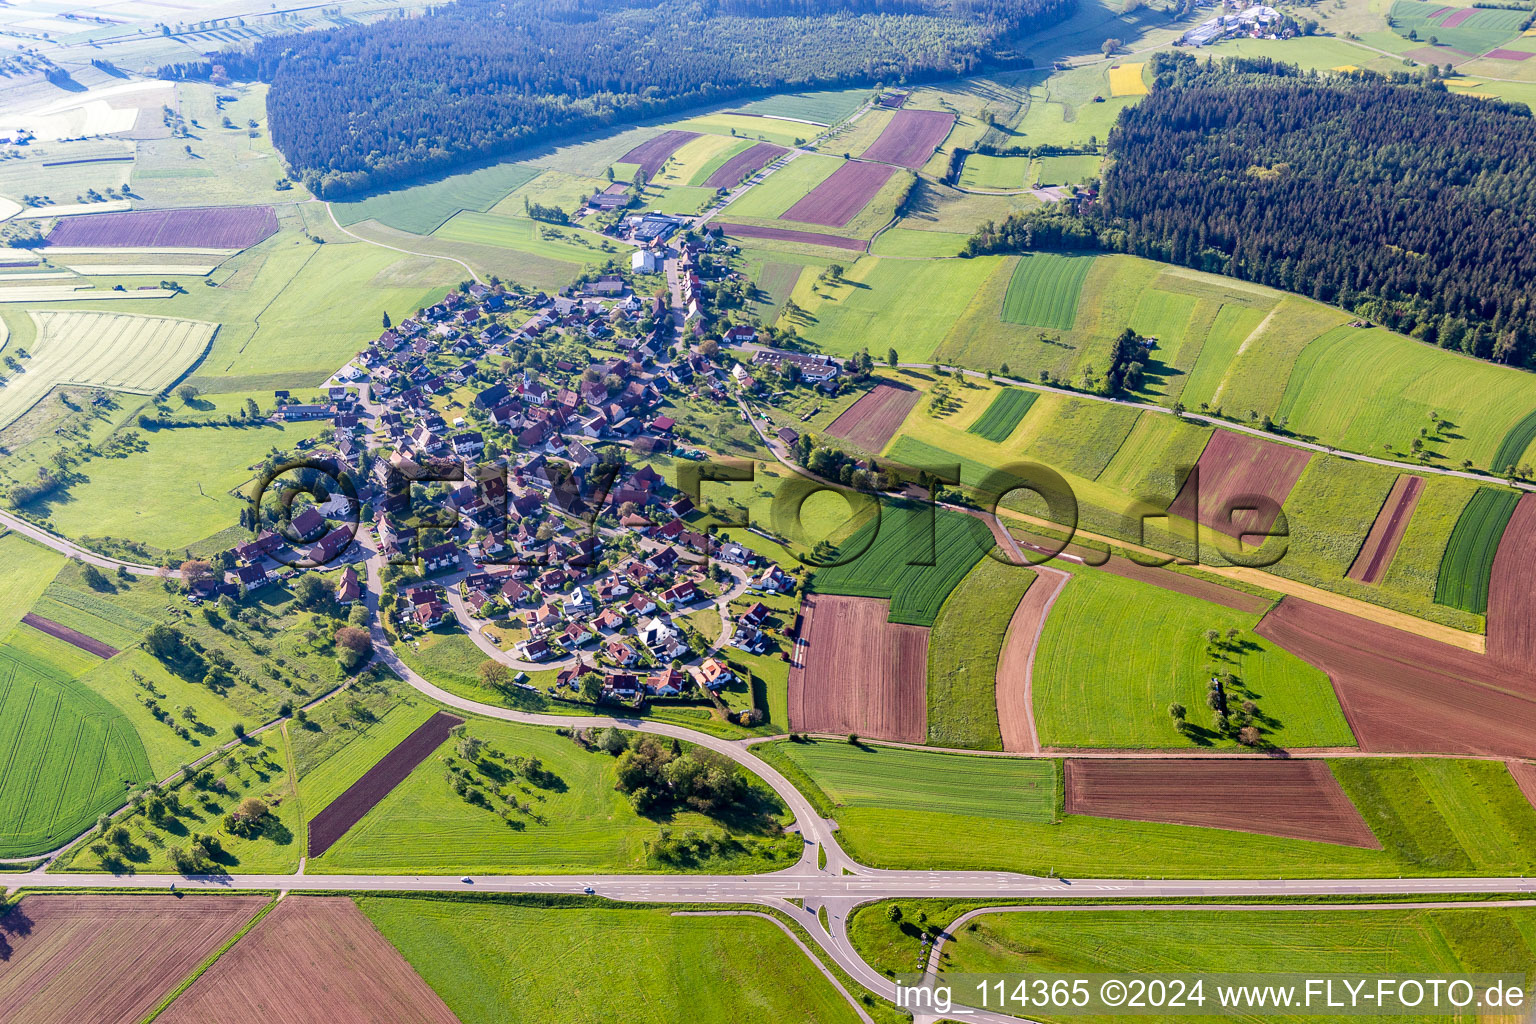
<point x="66" y="755"/>
<point x="1044" y="288"/>
<point x="1005" y="412"/>
<point x="1468" y="560"/>
<point x="1514" y="444"/>
<point x="118" y="351"/>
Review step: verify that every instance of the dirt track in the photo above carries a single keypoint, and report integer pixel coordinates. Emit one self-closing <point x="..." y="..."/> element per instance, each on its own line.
<point x="311" y="959"/>
<point x="857" y="673"/>
<point x="873" y="420"/>
<point x="1387" y="531"/>
<point x="107" y="959"/>
<point x="1015" y="668"/>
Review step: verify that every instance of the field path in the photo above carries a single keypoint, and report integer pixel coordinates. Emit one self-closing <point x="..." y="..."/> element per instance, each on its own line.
<point x="1216" y="396"/>
<point x="1016" y="667"/>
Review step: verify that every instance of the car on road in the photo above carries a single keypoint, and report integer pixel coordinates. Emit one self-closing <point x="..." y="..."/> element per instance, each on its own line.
<point x="467" y="880"/>
<point x="590" y="891"/>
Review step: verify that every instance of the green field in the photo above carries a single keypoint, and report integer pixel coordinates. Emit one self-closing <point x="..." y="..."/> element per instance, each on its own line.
<point x="784" y="187"/>
<point x="26" y="569"/>
<point x="995" y="172"/>
<point x="257" y="768"/>
<point x="1365" y="388"/>
<point x="570" y="245"/>
<point x="877" y="294"/>
<point x="1004" y="414"/>
<point x="116" y="351"/>
<point x="1435" y="830"/>
<point x="828" y="106"/>
<point x="550" y="188"/>
<point x="208" y="719"/>
<point x="1253" y="378"/>
<point x="1154" y="457"/>
<point x="1044" y="289"/>
<point x="1468" y="560"/>
<point x="577" y="822"/>
<point x="760" y="129"/>
<point x="1067" y="170"/>
<point x="1155" y="639"/>
<point x="337" y="746"/>
<point x="183" y="487"/>
<point x="1445" y="815"/>
<point x="1418" y="942"/>
<point x="1514" y="445"/>
<point x="963" y="651"/>
<point x="66" y="755"/>
<point x="1484" y="30"/>
<point x="576" y="963"/>
<point x="897" y="779"/>
<point x="909" y="558"/>
<point x="908" y="241"/>
<point x="422" y="208"/>
<point x="1075" y="435"/>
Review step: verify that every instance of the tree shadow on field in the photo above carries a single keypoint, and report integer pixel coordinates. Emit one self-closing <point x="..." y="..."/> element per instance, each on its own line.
<point x="13" y="921"/>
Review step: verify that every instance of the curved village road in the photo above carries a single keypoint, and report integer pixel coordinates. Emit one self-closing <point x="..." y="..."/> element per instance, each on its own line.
<point x="73" y="550"/>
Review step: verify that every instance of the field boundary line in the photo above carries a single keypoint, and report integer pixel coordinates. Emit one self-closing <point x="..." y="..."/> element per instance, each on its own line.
<point x="208" y="961"/>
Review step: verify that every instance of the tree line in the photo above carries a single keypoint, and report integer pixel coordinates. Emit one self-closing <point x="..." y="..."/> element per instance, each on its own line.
<point x="1386" y="195"/>
<point x="364" y="106"/>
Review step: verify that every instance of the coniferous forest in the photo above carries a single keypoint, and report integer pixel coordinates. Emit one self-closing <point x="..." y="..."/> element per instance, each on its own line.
<point x="1390" y="197"/>
<point x="369" y="105"/>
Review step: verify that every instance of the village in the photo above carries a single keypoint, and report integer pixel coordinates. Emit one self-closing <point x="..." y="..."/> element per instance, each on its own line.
<point x="495" y="477"/>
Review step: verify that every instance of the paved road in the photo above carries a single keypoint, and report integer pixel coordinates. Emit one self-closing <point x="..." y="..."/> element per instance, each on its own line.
<point x="73" y="550"/>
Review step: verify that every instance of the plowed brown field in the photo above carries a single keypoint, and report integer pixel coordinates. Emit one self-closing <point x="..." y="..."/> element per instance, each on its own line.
<point x="748" y="161"/>
<point x="107" y="959"/>
<point x="911" y="137"/>
<point x="1295" y="799"/>
<point x="1512" y="594"/>
<point x="1381" y="543"/>
<point x="790" y="235"/>
<point x="1524" y="773"/>
<point x="650" y="155"/>
<point x="1234" y="469"/>
<point x="311" y="959"/>
<point x="839" y="198"/>
<point x="1015" y="667"/>
<point x="1404" y="693"/>
<point x="89" y="644"/>
<point x="873" y="420"/>
<point x="855" y="672"/>
<point x="392" y="769"/>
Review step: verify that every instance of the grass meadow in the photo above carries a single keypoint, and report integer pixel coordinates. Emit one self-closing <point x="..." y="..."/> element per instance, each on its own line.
<point x="1115" y="653"/>
<point x="1426" y="942"/>
<point x="485" y="956"/>
<point x="28" y="569"/>
<point x="1372" y="391"/>
<point x="876" y="294"/>
<point x="183" y="487"/>
<point x="963" y="651"/>
<point x="577" y="821"/>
